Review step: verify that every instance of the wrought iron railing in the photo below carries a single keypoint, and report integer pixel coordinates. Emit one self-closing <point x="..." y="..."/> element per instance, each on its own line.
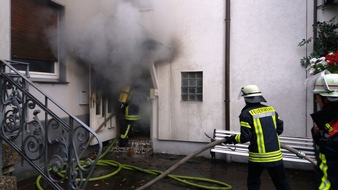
<point x="48" y="137"/>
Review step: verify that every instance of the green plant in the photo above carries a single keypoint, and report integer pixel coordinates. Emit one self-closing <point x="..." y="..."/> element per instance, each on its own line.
<point x="325" y="42"/>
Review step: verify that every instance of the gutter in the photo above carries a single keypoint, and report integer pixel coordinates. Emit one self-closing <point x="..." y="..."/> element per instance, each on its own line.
<point x="227" y="65"/>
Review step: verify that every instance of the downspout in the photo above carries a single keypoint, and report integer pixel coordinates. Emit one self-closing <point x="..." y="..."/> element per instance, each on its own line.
<point x="315" y="19"/>
<point x="314" y="28"/>
<point x="314" y="33"/>
<point x="227" y="65"/>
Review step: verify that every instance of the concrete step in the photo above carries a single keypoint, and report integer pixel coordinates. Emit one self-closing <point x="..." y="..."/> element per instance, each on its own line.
<point x="137" y="147"/>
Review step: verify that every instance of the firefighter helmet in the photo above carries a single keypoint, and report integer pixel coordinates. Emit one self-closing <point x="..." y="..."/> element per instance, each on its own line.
<point x="327" y="85"/>
<point x="252" y="94"/>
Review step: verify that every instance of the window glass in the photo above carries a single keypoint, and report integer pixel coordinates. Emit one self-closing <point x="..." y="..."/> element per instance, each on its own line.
<point x="35" y="36"/>
<point x="192" y="86"/>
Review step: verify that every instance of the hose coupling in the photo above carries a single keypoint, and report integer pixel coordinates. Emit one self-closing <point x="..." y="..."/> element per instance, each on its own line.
<point x="300" y="154"/>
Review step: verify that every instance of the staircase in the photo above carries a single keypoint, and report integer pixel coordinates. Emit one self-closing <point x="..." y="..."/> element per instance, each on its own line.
<point x="42" y="132"/>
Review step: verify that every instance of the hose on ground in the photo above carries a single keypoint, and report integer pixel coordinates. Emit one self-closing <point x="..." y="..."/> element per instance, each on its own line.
<point x="172" y="168"/>
<point x="188" y="180"/>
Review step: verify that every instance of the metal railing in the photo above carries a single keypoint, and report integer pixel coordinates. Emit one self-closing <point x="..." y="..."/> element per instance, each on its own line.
<point x="48" y="137"/>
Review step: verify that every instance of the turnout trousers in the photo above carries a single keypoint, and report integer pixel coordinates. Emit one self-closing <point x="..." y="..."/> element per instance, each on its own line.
<point x="276" y="172"/>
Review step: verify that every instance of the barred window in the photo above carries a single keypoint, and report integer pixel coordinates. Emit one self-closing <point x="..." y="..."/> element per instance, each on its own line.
<point x="192" y="86"/>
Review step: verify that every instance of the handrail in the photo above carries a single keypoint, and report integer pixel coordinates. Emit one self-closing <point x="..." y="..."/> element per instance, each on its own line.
<point x="44" y="133"/>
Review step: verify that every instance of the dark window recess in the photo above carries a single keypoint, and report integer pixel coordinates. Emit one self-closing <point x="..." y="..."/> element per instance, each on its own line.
<point x="192" y="86"/>
<point x="33" y="26"/>
<point x="37" y="65"/>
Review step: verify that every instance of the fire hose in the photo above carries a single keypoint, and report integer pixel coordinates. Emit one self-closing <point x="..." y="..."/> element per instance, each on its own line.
<point x="183" y="179"/>
<point x="171" y="169"/>
<point x="216" y="142"/>
<point x="185" y="159"/>
<point x="300" y="154"/>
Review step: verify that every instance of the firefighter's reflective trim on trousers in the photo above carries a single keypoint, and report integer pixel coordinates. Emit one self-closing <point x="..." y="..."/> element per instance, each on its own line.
<point x="125" y="135"/>
<point x="324" y="183"/>
<point x="265" y="157"/>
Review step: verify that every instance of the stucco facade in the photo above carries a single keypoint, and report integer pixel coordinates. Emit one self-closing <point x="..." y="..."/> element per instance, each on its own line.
<point x="264" y="50"/>
<point x="5" y="29"/>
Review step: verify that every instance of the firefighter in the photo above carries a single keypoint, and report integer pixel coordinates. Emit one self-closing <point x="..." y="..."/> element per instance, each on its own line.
<point x="261" y="126"/>
<point x="325" y="129"/>
<point x="130" y="111"/>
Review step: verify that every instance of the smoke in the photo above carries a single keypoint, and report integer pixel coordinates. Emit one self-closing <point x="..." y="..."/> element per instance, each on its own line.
<point x="110" y="37"/>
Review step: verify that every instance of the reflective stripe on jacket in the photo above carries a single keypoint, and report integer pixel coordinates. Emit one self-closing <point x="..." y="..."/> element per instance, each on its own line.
<point x="261" y="126"/>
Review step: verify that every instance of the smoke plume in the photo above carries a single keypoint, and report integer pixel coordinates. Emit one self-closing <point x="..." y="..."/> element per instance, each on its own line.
<point x="110" y="37"/>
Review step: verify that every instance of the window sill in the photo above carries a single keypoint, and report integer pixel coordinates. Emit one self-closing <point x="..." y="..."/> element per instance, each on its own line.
<point x="51" y="81"/>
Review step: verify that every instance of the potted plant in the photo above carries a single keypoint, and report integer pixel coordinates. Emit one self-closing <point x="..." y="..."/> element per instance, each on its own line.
<point x="325" y="52"/>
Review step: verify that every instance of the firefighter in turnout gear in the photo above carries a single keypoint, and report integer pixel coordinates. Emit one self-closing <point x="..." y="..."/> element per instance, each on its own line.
<point x="260" y="125"/>
<point x="130" y="111"/>
<point x="325" y="131"/>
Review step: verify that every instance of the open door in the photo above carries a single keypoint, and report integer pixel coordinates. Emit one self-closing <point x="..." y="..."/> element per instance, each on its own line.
<point x="102" y="115"/>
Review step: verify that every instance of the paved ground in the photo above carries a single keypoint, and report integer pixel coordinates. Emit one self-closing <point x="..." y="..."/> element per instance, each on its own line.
<point x="233" y="174"/>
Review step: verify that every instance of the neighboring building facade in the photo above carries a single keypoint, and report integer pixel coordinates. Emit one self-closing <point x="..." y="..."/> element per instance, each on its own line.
<point x="263" y="43"/>
<point x="193" y="82"/>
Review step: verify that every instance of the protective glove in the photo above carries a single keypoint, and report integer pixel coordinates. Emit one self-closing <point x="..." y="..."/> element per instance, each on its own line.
<point x="230" y="139"/>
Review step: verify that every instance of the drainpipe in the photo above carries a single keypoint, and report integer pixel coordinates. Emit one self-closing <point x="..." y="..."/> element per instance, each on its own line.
<point x="314" y="30"/>
<point x="315" y="19"/>
<point x="227" y="65"/>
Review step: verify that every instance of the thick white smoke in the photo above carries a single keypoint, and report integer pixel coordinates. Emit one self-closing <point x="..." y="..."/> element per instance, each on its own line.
<point x="118" y="40"/>
<point x="112" y="37"/>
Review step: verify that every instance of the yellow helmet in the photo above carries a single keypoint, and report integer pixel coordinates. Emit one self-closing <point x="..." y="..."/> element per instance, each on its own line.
<point x="252" y="94"/>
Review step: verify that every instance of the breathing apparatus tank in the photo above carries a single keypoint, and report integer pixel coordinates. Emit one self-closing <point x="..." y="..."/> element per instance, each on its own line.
<point x="125" y="96"/>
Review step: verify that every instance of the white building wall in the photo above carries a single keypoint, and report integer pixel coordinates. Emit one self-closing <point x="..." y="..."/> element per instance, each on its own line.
<point x="264" y="50"/>
<point x="5" y="29"/>
<point x="199" y="31"/>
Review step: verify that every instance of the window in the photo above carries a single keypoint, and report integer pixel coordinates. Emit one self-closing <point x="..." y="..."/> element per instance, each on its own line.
<point x="192" y="86"/>
<point x="35" y="36"/>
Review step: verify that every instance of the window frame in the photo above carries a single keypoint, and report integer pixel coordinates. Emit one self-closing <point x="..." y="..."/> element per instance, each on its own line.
<point x="56" y="67"/>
